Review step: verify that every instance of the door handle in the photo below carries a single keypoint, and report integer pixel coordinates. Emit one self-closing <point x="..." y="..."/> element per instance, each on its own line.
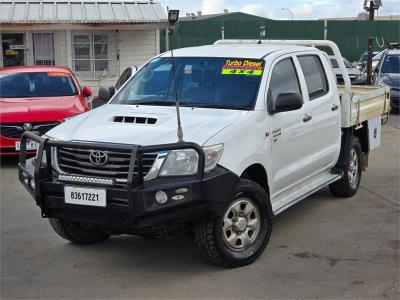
<point x="307" y="118"/>
<point x="334" y="107"/>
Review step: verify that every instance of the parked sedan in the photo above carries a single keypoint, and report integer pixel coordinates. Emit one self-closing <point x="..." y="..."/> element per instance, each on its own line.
<point x="356" y="76"/>
<point x="387" y="73"/>
<point x="36" y="99"/>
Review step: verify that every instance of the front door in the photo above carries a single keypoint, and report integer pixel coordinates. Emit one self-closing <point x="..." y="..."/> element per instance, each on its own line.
<point x="291" y="132"/>
<point x="13" y="49"/>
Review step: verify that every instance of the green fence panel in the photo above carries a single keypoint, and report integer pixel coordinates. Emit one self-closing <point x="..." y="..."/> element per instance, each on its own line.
<point x="351" y="36"/>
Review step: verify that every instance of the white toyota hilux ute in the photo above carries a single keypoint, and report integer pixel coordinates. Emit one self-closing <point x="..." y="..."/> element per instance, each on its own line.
<point x="264" y="126"/>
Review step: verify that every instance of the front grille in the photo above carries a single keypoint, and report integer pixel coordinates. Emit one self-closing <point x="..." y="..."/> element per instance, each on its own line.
<point x="77" y="162"/>
<point x="15" y="130"/>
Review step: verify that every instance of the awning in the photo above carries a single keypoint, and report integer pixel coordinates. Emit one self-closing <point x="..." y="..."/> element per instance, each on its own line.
<point x="77" y="12"/>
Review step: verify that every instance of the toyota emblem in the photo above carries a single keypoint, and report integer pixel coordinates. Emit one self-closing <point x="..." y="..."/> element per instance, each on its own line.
<point x="98" y="158"/>
<point x="27" y="126"/>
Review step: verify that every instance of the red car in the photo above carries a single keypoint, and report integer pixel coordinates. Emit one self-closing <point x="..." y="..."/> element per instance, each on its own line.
<point x="36" y="98"/>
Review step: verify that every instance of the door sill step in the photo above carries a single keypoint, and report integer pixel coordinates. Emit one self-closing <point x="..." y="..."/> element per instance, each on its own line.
<point x="330" y="179"/>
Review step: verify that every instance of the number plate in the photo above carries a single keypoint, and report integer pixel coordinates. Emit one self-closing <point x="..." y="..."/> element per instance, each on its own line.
<point x="30" y="145"/>
<point x="85" y="196"/>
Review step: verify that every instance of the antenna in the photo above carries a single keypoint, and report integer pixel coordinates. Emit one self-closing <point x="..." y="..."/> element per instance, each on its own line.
<point x="262" y="34"/>
<point x="173" y="16"/>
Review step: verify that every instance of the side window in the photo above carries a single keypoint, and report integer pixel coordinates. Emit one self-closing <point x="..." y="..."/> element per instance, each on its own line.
<point x="317" y="83"/>
<point x="283" y="80"/>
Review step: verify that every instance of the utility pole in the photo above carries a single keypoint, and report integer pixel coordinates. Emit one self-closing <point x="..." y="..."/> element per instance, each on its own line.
<point x="373" y="4"/>
<point x="370" y="45"/>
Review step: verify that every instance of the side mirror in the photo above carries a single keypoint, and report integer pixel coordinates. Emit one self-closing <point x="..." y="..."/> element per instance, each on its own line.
<point x="288" y="102"/>
<point x="105" y="93"/>
<point x="86" y="91"/>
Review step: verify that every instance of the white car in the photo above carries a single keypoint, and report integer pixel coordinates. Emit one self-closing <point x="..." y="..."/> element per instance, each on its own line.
<point x="264" y="126"/>
<point x="356" y="75"/>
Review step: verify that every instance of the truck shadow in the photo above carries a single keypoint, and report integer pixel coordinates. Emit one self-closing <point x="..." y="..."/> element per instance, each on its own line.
<point x="179" y="254"/>
<point x="124" y="253"/>
<point x="8" y="161"/>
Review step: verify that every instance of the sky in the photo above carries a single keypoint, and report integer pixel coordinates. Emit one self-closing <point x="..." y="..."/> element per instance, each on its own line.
<point x="306" y="9"/>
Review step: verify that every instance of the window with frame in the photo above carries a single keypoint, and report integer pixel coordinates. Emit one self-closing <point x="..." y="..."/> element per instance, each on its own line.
<point x="90" y="53"/>
<point x="283" y="80"/>
<point x="43" y="48"/>
<point x="314" y="73"/>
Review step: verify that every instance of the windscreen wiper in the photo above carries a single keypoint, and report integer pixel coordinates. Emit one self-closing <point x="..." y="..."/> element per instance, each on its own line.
<point x="154" y="102"/>
<point x="215" y="105"/>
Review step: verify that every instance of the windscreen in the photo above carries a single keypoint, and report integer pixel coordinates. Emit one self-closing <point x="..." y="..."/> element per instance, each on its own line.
<point x="230" y="83"/>
<point x="36" y="84"/>
<point x="391" y="64"/>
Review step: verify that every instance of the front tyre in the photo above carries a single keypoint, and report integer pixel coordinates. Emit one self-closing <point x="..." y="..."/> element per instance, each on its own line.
<point x="348" y="185"/>
<point x="78" y="232"/>
<point x="240" y="234"/>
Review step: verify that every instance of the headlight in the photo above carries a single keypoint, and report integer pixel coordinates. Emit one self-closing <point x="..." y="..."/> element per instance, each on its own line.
<point x="180" y="162"/>
<point x="184" y="162"/>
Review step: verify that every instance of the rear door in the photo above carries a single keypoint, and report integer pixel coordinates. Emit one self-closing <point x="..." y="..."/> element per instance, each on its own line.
<point x="324" y="105"/>
<point x="291" y="131"/>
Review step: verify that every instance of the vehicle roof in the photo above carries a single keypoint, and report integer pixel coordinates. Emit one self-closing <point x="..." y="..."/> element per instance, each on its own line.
<point x="34" y="69"/>
<point x="393" y="51"/>
<point x="256" y="51"/>
<point x="333" y="57"/>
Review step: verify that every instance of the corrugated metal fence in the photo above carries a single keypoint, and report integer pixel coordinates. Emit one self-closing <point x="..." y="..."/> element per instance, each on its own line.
<point x="351" y="36"/>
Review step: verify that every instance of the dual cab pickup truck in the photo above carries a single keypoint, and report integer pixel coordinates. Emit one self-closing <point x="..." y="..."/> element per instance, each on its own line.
<point x="264" y="126"/>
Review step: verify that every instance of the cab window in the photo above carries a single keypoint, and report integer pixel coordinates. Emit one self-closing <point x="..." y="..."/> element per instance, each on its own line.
<point x="316" y="81"/>
<point x="283" y="80"/>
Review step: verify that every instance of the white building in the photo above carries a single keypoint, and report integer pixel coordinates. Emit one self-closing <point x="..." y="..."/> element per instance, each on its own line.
<point x="97" y="40"/>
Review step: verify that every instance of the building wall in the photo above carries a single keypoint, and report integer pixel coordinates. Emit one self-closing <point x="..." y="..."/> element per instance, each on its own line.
<point x="132" y="47"/>
<point x="138" y="47"/>
<point x="135" y="48"/>
<point x="60" y="45"/>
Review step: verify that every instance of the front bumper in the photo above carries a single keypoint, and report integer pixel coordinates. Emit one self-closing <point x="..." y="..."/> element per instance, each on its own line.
<point x="7" y="146"/>
<point x="130" y="208"/>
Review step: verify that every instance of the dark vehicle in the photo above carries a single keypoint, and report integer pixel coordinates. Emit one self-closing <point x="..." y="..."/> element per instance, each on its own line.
<point x="364" y="57"/>
<point x="388" y="74"/>
<point x="125" y="76"/>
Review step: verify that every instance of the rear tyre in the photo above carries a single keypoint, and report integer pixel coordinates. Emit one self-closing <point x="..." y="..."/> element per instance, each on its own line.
<point x="78" y="232"/>
<point x="238" y="236"/>
<point x="348" y="185"/>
